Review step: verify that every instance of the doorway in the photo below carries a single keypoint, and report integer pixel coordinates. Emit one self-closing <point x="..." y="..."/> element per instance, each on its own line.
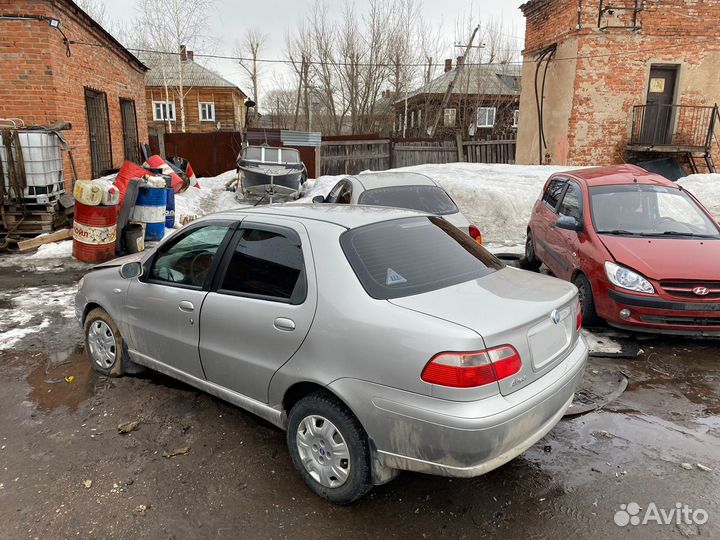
<point x="660" y="106"/>
<point x="130" y="132"/>
<point x="99" y="130"/>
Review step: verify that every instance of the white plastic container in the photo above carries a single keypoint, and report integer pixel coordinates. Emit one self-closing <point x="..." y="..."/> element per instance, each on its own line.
<point x="110" y="193"/>
<point x="41" y="156"/>
<point x="88" y="193"/>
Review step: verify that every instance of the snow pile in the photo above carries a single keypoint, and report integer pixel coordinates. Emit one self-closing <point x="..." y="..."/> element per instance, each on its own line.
<point x="54" y="250"/>
<point x="497" y="198"/>
<point x="211" y="197"/>
<point x="706" y="187"/>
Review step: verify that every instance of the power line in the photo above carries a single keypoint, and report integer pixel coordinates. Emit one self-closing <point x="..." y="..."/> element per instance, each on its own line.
<point x="389" y="65"/>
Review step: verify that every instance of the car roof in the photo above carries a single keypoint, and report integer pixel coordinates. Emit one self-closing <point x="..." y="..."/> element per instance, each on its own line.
<point x="349" y="216"/>
<point x="616" y="175"/>
<point x="389" y="179"/>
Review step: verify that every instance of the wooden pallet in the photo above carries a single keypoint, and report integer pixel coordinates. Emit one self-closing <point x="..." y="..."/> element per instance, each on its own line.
<point x="32" y="222"/>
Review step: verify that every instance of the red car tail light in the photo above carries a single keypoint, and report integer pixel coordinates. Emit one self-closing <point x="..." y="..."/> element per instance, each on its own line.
<point x="471" y="369"/>
<point x="578" y="324"/>
<point x="475" y="234"/>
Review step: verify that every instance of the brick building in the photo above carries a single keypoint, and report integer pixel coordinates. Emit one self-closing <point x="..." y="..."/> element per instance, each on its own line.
<point x="212" y="103"/>
<point x="483" y="103"/>
<point x="57" y="64"/>
<point x="618" y="81"/>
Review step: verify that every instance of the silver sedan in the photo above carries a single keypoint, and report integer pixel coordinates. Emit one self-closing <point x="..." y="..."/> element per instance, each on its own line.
<point x="380" y="339"/>
<point x="400" y="189"/>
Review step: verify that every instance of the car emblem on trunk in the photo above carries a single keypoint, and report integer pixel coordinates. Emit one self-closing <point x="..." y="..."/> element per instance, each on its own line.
<point x="555" y="316"/>
<point x="701" y="291"/>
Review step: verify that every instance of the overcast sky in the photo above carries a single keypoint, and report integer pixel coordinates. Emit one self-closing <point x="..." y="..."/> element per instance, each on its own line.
<point x="275" y="17"/>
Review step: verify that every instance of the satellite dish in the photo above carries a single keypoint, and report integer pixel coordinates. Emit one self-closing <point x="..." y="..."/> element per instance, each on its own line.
<point x="249" y="103"/>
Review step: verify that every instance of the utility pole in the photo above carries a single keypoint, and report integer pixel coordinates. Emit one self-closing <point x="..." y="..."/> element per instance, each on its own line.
<point x="451" y="86"/>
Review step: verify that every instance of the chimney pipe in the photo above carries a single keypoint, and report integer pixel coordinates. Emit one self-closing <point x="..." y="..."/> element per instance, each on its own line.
<point x="190" y="56"/>
<point x="460" y="61"/>
<point x="448" y="64"/>
<point x="183" y="52"/>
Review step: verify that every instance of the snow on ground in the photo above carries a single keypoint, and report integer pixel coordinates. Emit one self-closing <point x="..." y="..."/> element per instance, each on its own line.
<point x="497" y="198"/>
<point x="706" y="187"/>
<point x="32" y="310"/>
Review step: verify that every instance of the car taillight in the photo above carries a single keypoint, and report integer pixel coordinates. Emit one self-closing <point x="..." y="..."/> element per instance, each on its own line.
<point x="471" y="369"/>
<point x="578" y="324"/>
<point x="475" y="234"/>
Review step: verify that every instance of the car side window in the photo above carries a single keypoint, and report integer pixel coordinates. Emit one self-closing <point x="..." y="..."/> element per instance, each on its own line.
<point x="341" y="193"/>
<point x="553" y="192"/>
<point x="570" y="205"/>
<point x="187" y="260"/>
<point x="267" y="264"/>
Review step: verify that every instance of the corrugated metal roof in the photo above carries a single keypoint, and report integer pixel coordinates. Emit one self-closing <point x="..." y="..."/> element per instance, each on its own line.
<point x="300" y="138"/>
<point x="165" y="68"/>
<point x="488" y="80"/>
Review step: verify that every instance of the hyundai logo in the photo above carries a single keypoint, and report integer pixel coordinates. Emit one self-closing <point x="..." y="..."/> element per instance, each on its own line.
<point x="701" y="291"/>
<point x="555" y="316"/>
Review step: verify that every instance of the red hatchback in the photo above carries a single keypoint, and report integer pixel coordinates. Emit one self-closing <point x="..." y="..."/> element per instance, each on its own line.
<point x="643" y="252"/>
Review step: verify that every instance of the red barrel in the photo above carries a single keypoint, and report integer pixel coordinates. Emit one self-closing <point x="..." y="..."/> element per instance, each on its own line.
<point x="94" y="233"/>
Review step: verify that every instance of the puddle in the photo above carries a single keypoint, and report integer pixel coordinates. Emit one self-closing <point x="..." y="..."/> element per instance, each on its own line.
<point x="49" y="388"/>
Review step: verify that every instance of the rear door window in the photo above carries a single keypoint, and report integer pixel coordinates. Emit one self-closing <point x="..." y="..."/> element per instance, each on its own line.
<point x="403" y="257"/>
<point x="554" y="192"/>
<point x="430" y="199"/>
<point x="267" y="264"/>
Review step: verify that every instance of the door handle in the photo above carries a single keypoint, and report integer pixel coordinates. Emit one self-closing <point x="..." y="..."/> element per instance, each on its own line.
<point x="281" y="323"/>
<point x="186" y="306"/>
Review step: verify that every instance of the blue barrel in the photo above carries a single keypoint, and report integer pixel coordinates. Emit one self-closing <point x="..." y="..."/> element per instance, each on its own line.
<point x="150" y="209"/>
<point x="170" y="209"/>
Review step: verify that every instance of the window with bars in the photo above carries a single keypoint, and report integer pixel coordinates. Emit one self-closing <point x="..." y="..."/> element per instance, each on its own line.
<point x="207" y="111"/>
<point x="486" y="117"/>
<point x="163" y="110"/>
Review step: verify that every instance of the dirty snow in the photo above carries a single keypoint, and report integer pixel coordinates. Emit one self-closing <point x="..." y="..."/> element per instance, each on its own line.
<point x="706" y="187"/>
<point x="497" y="198"/>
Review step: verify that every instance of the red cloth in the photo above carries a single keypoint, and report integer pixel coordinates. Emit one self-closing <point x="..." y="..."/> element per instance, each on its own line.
<point x="127" y="172"/>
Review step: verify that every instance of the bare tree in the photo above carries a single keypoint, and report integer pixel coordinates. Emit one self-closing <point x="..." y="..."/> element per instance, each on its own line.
<point x="170" y="25"/>
<point x="249" y="50"/>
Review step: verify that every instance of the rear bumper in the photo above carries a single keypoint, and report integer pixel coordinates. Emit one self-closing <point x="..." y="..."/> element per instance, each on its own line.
<point x="660" y="315"/>
<point x="462" y="439"/>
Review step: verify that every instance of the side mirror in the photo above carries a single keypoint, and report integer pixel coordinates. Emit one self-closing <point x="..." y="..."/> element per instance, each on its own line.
<point x="318" y="199"/>
<point x="131" y="270"/>
<point x="568" y="223"/>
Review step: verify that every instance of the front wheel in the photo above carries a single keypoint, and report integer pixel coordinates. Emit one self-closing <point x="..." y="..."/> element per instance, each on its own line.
<point x="105" y="346"/>
<point x="329" y="448"/>
<point x="587" y="301"/>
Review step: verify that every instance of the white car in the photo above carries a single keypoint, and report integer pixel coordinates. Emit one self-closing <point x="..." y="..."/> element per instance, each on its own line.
<point x="409" y="190"/>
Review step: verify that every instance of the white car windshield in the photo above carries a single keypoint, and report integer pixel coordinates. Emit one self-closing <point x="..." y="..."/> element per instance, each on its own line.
<point x="646" y="210"/>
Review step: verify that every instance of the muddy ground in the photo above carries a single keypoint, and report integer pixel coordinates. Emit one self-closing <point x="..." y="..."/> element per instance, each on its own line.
<point x="65" y="471"/>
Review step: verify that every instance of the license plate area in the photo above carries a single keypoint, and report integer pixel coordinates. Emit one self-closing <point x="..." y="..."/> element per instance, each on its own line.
<point x="548" y="340"/>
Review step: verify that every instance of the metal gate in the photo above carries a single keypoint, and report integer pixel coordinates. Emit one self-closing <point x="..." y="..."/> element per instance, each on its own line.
<point x="130" y="132"/>
<point x="99" y="130"/>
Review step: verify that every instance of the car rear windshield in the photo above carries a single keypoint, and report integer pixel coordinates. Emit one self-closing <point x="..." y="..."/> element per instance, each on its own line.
<point x="430" y="199"/>
<point x="648" y="210"/>
<point x="411" y="256"/>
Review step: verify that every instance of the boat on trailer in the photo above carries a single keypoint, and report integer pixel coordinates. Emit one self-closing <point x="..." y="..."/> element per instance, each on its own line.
<point x="269" y="172"/>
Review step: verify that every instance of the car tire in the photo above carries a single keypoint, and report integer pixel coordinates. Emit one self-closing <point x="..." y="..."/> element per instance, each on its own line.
<point x="587" y="301"/>
<point x="321" y="424"/>
<point x="105" y="346"/>
<point x="530" y="261"/>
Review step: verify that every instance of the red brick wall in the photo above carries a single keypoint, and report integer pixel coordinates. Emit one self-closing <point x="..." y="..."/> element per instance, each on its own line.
<point x="613" y="66"/>
<point x="40" y="84"/>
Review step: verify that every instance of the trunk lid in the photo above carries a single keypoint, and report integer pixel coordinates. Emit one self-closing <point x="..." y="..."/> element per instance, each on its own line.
<point x="535" y="314"/>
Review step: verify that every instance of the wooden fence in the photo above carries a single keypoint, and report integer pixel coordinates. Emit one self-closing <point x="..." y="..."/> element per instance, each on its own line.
<point x="354" y="156"/>
<point x="490" y="151"/>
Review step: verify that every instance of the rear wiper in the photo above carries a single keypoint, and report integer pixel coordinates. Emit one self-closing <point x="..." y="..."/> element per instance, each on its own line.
<point x="618" y="231"/>
<point x="678" y="233"/>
